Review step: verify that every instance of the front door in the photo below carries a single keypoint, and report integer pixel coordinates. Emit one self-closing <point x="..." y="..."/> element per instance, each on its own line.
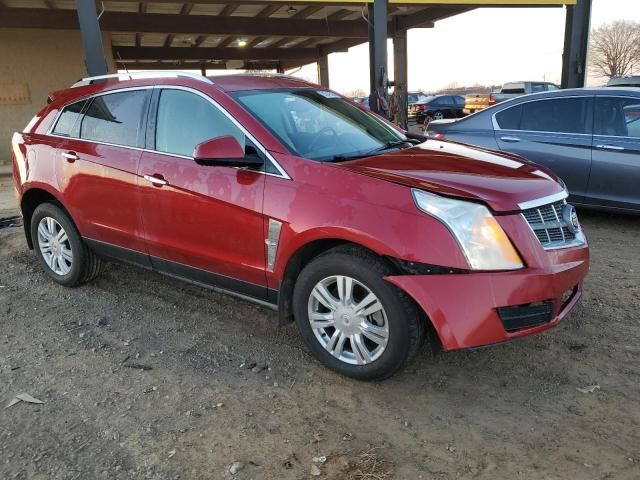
<point x="615" y="175"/>
<point x="200" y="222"/>
<point x="555" y="133"/>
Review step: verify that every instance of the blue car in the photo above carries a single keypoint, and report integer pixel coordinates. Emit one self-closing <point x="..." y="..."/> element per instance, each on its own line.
<point x="590" y="137"/>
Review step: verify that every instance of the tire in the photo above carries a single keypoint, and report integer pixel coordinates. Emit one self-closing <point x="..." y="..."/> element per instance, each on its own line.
<point x="438" y="116"/>
<point x="398" y="318"/>
<point x="55" y="236"/>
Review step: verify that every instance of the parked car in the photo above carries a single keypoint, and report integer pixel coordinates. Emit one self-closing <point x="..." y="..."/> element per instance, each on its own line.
<point x="588" y="137"/>
<point x="364" y="101"/>
<point x="625" y="81"/>
<point x="274" y="189"/>
<point x="438" y="107"/>
<point x="477" y="102"/>
<point x="414" y="98"/>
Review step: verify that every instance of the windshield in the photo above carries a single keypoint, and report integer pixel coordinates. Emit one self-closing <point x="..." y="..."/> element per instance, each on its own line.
<point x="319" y="124"/>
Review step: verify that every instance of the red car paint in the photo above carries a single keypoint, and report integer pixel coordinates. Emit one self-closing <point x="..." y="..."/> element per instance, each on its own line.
<point x="215" y="219"/>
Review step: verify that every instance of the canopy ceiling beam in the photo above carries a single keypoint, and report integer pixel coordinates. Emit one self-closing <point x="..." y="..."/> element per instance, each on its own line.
<point x="198" y="65"/>
<point x="134" y="22"/>
<point x="216" y="53"/>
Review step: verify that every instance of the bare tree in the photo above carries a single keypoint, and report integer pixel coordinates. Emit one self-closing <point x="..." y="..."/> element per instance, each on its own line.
<point x="615" y="48"/>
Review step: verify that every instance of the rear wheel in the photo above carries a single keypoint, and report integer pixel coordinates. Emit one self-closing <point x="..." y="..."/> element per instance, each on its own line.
<point x="438" y="116"/>
<point x="354" y="321"/>
<point x="61" y="251"/>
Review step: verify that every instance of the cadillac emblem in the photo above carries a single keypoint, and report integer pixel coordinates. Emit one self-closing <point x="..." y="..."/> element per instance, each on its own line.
<point x="570" y="218"/>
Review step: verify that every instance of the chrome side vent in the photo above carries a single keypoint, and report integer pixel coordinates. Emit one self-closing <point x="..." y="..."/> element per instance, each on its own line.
<point x="273" y="237"/>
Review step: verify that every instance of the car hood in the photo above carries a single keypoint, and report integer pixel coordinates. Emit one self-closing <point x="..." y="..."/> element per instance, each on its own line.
<point x="501" y="180"/>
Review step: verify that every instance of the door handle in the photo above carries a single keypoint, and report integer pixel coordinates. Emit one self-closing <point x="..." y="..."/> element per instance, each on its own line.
<point x="610" y="147"/>
<point x="510" y="139"/>
<point x="70" y="156"/>
<point x="156" y="180"/>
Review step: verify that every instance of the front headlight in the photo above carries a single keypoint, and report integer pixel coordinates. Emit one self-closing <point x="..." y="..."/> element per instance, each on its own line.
<point x="482" y="240"/>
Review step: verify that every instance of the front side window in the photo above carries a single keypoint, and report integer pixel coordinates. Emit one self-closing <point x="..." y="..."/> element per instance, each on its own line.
<point x="185" y="119"/>
<point x="319" y="124"/>
<point x="115" y="118"/>
<point x="617" y="117"/>
<point x="560" y="115"/>
<point x="68" y="124"/>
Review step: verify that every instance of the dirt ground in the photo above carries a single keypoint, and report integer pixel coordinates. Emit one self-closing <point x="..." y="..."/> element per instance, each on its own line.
<point x="510" y="412"/>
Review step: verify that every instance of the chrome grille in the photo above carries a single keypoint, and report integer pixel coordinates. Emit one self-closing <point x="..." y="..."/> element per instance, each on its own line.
<point x="549" y="226"/>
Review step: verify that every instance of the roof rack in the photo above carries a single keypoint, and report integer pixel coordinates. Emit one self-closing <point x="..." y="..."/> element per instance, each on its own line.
<point x="137" y="75"/>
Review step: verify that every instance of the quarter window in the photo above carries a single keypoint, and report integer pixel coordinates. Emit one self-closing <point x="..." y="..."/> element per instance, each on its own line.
<point x="185" y="119"/>
<point x="562" y="115"/>
<point x="115" y="118"/>
<point x="509" y="119"/>
<point x="68" y="124"/>
<point x="617" y="117"/>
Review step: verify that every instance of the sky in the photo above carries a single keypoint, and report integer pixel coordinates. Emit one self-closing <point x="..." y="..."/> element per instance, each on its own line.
<point x="487" y="46"/>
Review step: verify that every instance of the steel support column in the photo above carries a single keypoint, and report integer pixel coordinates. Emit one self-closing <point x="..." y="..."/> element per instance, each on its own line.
<point x="400" y="75"/>
<point x="378" y="56"/>
<point x="94" y="60"/>
<point x="576" y="44"/>
<point x="323" y="70"/>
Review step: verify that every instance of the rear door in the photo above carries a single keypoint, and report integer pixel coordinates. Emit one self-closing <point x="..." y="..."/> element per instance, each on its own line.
<point x="98" y="160"/>
<point x="554" y="132"/>
<point x="615" y="174"/>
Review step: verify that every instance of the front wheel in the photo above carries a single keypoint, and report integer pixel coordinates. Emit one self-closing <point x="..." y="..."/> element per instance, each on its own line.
<point x="354" y="321"/>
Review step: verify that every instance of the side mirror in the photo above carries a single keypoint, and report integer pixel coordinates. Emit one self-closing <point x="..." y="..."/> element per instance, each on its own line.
<point x="224" y="152"/>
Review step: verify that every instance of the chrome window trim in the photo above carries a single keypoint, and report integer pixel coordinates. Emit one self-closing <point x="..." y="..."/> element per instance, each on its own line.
<point x="497" y="128"/>
<point x="539" y="202"/>
<point x="282" y="173"/>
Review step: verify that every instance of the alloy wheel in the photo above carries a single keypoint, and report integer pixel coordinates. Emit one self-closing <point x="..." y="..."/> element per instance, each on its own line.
<point x="348" y="320"/>
<point x="55" y="246"/>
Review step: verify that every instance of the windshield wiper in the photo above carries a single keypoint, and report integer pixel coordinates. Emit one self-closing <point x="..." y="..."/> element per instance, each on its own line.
<point x="386" y="146"/>
<point x="394" y="144"/>
<point x="344" y="158"/>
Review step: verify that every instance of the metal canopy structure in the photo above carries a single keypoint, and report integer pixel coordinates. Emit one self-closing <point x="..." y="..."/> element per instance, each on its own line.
<point x="252" y="34"/>
<point x="262" y="34"/>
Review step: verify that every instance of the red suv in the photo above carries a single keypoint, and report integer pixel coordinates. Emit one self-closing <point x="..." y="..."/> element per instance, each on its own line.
<point x="290" y="195"/>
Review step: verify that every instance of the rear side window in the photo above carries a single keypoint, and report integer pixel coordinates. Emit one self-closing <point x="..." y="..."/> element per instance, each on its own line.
<point x="617" y="117"/>
<point x="115" y="118"/>
<point x="68" y="124"/>
<point x="185" y="119"/>
<point x="561" y="115"/>
<point x="509" y="119"/>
